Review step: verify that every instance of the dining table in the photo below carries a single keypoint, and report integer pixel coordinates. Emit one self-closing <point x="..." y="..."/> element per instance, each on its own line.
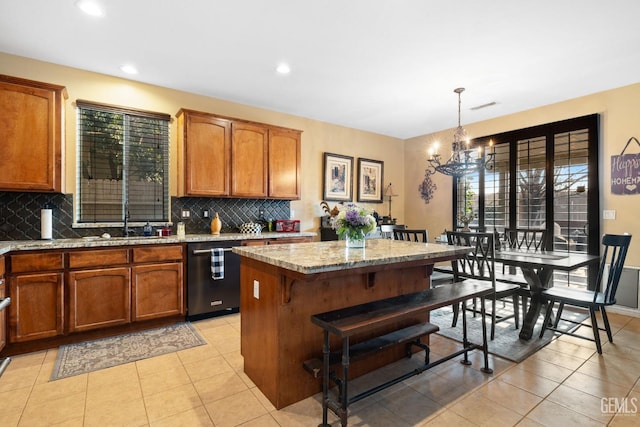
<point x="537" y="269"/>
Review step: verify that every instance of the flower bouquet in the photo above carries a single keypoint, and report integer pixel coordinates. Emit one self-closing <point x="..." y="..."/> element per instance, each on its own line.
<point x="352" y="223"/>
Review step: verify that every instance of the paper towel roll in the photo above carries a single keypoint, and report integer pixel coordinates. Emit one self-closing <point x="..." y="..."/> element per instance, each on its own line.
<point x="46" y="223"/>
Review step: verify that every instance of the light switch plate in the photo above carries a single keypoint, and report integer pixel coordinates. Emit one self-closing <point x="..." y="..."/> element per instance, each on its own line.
<point x="256" y="289"/>
<point x="186" y="214"/>
<point x="609" y="214"/>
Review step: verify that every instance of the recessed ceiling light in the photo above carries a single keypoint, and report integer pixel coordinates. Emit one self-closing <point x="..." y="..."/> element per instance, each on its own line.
<point x="90" y="7"/>
<point x="129" y="69"/>
<point x="283" y="68"/>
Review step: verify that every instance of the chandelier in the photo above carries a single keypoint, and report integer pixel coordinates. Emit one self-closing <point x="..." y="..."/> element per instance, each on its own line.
<point x="464" y="159"/>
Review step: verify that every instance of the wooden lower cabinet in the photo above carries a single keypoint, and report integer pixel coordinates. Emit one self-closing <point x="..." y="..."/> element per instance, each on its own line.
<point x="36" y="309"/>
<point x="158" y="291"/>
<point x="99" y="298"/>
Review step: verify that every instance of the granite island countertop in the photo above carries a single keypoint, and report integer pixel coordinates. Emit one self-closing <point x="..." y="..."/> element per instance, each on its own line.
<point x="319" y="257"/>
<point x="97" y="241"/>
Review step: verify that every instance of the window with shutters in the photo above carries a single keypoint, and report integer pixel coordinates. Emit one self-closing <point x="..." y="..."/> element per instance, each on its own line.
<point x="541" y="177"/>
<point x="122" y="166"/>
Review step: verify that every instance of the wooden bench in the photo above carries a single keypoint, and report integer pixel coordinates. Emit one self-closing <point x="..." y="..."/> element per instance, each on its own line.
<point x="365" y="318"/>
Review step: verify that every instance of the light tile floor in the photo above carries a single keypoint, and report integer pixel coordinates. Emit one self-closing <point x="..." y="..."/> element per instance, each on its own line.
<point x="567" y="383"/>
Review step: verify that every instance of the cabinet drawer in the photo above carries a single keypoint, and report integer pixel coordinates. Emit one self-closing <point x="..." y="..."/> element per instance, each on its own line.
<point x="98" y="258"/>
<point x="32" y="262"/>
<point x="260" y="242"/>
<point x="157" y="253"/>
<point x="284" y="240"/>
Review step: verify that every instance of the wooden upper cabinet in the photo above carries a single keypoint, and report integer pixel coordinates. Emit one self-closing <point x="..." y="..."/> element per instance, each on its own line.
<point x="249" y="149"/>
<point x="225" y="157"/>
<point x="284" y="164"/>
<point x="204" y="149"/>
<point x="31" y="135"/>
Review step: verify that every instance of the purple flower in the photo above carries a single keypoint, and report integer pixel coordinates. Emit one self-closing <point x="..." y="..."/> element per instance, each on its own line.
<point x="352" y="219"/>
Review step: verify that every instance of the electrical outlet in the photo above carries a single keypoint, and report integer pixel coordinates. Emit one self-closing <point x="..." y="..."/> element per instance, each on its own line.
<point x="185" y="214"/>
<point x="609" y="214"/>
<point x="261" y="213"/>
<point x="205" y="213"/>
<point x="256" y="289"/>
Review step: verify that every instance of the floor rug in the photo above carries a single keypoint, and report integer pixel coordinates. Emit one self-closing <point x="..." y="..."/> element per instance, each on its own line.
<point x="88" y="356"/>
<point x="506" y="343"/>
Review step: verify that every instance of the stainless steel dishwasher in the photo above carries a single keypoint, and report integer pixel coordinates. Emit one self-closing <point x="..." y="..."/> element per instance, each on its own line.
<point x="207" y="297"/>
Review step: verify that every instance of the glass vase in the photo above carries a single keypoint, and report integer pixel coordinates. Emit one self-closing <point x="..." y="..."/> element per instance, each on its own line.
<point x="355" y="239"/>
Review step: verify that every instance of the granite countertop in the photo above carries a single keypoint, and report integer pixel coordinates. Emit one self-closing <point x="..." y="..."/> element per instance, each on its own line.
<point x="318" y="257"/>
<point x="96" y="241"/>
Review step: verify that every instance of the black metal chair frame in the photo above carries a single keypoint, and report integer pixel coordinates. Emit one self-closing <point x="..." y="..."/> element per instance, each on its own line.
<point x="615" y="252"/>
<point x="479" y="265"/>
<point x="409" y="235"/>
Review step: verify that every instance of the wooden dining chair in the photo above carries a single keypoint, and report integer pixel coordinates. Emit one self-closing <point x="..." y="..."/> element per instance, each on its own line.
<point x="531" y="239"/>
<point x="479" y="265"/>
<point x="612" y="263"/>
<point x="411" y="235"/>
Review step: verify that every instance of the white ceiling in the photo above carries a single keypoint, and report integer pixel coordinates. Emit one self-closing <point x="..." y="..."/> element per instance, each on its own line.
<point x="387" y="66"/>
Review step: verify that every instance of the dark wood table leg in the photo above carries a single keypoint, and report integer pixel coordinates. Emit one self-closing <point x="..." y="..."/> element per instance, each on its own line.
<point x="538" y="280"/>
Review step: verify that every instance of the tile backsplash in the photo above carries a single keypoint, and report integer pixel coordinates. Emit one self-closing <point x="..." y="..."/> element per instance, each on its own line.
<point x="232" y="212"/>
<point x="20" y="214"/>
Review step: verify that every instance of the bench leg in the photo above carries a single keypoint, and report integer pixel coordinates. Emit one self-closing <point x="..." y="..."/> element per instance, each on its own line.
<point x="456" y="310"/>
<point x="344" y="398"/>
<point x="325" y="380"/>
<point x="485" y="349"/>
<point x="418" y="343"/>
<point x="465" y="341"/>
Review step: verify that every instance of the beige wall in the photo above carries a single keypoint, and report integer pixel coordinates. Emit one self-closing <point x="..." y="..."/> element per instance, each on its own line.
<point x="404" y="161"/>
<point x="317" y="136"/>
<point x="619" y="111"/>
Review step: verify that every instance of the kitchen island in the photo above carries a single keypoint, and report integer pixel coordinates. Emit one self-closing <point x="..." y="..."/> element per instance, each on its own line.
<point x="282" y="286"/>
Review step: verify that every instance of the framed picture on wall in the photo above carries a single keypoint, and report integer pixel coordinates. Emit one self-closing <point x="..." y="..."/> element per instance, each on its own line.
<point x="338" y="177"/>
<point x="370" y="175"/>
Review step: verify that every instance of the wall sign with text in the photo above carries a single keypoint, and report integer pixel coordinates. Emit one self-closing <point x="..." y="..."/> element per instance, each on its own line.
<point x="625" y="171"/>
